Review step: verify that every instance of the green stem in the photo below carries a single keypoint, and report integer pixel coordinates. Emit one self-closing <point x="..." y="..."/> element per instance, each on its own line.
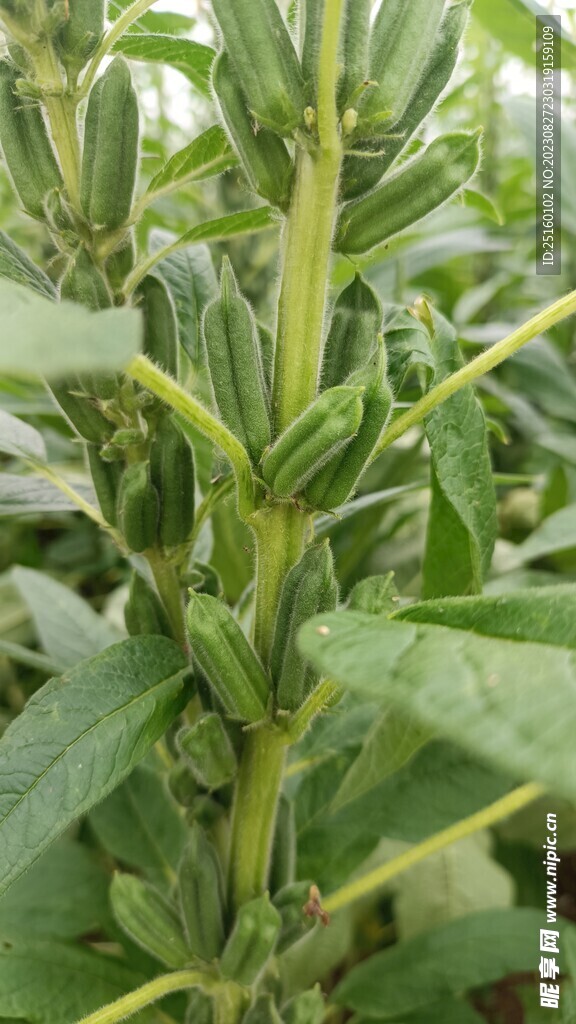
<point x="254" y="812"/>
<point x="146" y="373"/>
<point x="319" y="699"/>
<point x="130" y="1004"/>
<point x="279" y="542"/>
<point x="118" y="28"/>
<point x="307" y="245"/>
<point x="559" y="310"/>
<point x="374" y="880"/>
<point x="170" y="592"/>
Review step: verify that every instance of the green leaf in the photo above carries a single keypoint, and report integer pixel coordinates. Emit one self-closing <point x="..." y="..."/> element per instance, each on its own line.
<point x="24" y="656"/>
<point x="462" y="524"/>
<point x="513" y="23"/>
<point x="191" y="278"/>
<point x="324" y="524"/>
<point x="140" y="825"/>
<point x="447" y="1012"/>
<point x="65" y="895"/>
<point x="23" y="495"/>
<point x="44" y="338"/>
<point x="389" y="745"/>
<point x="207" y="155"/>
<point x="54" y="983"/>
<point x="68" y="629"/>
<point x="442" y="964"/>
<point x="193" y="59"/>
<point x="243" y="223"/>
<point x="545" y="616"/>
<point x="16" y="266"/>
<point x="556" y="533"/>
<point x="478" y="201"/>
<point x="78" y="738"/>
<point x="492" y="696"/>
<point x="20" y="439"/>
<point x="459" y="880"/>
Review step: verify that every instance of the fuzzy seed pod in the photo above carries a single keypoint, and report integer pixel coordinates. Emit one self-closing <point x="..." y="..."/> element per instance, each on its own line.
<point x="234" y="360"/>
<point x="83" y="283"/>
<point x="265" y="159"/>
<point x="144" y="612"/>
<point x="306" y="1008"/>
<point x="201" y="889"/>
<point x="337" y="479"/>
<point x="209" y="751"/>
<point x="289" y="901"/>
<point x="149" y="920"/>
<point x="120" y="263"/>
<point x="418" y="188"/>
<point x="82" y="410"/>
<point x="267" y="353"/>
<point x="160" y="323"/>
<point x="311" y="20"/>
<point x="356" y="323"/>
<point x="266" y="62"/>
<point x="138" y="507"/>
<point x="106" y="478"/>
<point x="81" y="32"/>
<point x="263" y="1011"/>
<point x="182" y="784"/>
<point x="360" y="174"/>
<point x="226" y="658"/>
<point x="252" y="941"/>
<point x="309" y="589"/>
<point x="308" y="443"/>
<point x="355" y="58"/>
<point x="172" y="473"/>
<point x="27" y="149"/>
<point x="399" y="44"/>
<point x="110" y="157"/>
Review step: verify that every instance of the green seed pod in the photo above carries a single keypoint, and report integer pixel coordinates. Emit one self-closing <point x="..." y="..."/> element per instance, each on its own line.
<point x="144" y="612"/>
<point x="263" y="1011"/>
<point x="362" y="173"/>
<point x="290" y="902"/>
<point x="309" y="589"/>
<point x="160" y="324"/>
<point x="59" y="215"/>
<point x="399" y="44"/>
<point x="283" y="866"/>
<point x="311" y="20"/>
<point x="355" y="40"/>
<point x="201" y="889"/>
<point x="106" y="478"/>
<point x="233" y="349"/>
<point x="210" y="753"/>
<point x="267" y="353"/>
<point x="27" y="149"/>
<point x="337" y="479"/>
<point x="83" y="283"/>
<point x="266" y="62"/>
<point x="418" y="188"/>
<point x="356" y="323"/>
<point x="308" y="443"/>
<point x="110" y="157"/>
<point x="306" y="1008"/>
<point x="376" y="595"/>
<point x="265" y="159"/>
<point x="149" y="920"/>
<point x="120" y="263"/>
<point x="138" y="507"/>
<point x="182" y="784"/>
<point x="226" y="658"/>
<point x="252" y="941"/>
<point x="200" y="1008"/>
<point x="172" y="473"/>
<point x="82" y="411"/>
<point x="81" y="33"/>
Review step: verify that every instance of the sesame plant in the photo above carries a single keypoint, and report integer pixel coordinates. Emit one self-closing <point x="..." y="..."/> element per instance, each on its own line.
<point x="240" y="799"/>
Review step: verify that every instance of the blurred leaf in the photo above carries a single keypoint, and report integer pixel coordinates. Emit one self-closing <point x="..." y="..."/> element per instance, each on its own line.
<point x="513" y="23"/>
<point x="20" y="439"/>
<point x="191" y="278"/>
<point x="324" y="524"/>
<point x="43" y="338"/>
<point x="68" y="629"/>
<point x="208" y="154"/>
<point x="478" y="201"/>
<point x="16" y="265"/>
<point x="556" y="533"/>
<point x="79" y="737"/>
<point x="22" y="495"/>
<point x="191" y="58"/>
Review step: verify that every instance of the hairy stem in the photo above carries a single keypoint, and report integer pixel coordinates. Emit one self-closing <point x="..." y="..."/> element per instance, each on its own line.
<point x="130" y="1004"/>
<point x="374" y="880"/>
<point x="279" y="541"/>
<point x="559" y="310"/>
<point x="170" y="592"/>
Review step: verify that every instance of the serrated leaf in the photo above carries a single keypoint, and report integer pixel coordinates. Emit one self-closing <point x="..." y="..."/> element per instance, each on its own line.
<point x="140" y="825"/>
<point x="444" y="963"/>
<point x="54" y="983"/>
<point x="28" y="495"/>
<point x="193" y="59"/>
<point x="490" y="695"/>
<point x="78" y="737"/>
<point x="209" y="154"/>
<point x="68" y="629"/>
<point x="44" y="338"/>
<point x="16" y="266"/>
<point x="20" y="439"/>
